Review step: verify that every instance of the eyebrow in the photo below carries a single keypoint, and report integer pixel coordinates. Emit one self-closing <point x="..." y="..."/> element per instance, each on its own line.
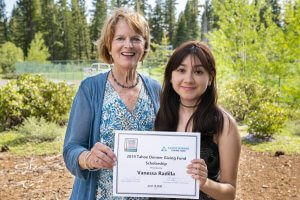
<point x="120" y="35"/>
<point x="200" y="65"/>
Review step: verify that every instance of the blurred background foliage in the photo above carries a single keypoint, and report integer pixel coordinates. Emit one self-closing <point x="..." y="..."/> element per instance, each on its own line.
<point x="255" y="43"/>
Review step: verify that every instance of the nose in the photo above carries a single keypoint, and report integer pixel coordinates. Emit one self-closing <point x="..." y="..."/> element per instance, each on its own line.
<point x="128" y="43"/>
<point x="189" y="77"/>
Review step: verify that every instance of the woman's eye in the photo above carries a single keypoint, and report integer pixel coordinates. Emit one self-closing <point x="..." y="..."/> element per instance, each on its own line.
<point x="136" y="40"/>
<point x="180" y="70"/>
<point x="198" y="72"/>
<point x="119" y="39"/>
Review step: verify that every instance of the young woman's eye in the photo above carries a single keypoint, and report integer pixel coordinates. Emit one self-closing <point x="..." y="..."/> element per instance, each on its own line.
<point x="198" y="72"/>
<point x="180" y="70"/>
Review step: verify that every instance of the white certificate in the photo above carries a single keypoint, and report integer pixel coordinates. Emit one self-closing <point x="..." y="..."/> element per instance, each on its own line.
<point x="153" y="164"/>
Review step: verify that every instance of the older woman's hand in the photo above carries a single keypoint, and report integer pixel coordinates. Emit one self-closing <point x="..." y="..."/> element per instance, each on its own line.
<point x="102" y="157"/>
<point x="198" y="170"/>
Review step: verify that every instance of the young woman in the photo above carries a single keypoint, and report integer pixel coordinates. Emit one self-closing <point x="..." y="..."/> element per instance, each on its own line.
<point x="189" y="103"/>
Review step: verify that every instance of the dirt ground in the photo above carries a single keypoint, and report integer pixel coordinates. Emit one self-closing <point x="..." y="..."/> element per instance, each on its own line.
<point x="261" y="176"/>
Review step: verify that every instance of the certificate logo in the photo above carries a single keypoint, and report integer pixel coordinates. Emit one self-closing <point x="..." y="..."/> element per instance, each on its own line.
<point x="164" y="149"/>
<point x="131" y="144"/>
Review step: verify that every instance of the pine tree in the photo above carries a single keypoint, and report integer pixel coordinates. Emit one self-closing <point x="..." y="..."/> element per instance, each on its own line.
<point x="38" y="50"/>
<point x="67" y="31"/>
<point x="118" y="3"/>
<point x="208" y="20"/>
<point x="82" y="39"/>
<point x="156" y="23"/>
<point x="181" y="31"/>
<point x="3" y="23"/>
<point x="192" y="19"/>
<point x="50" y="27"/>
<point x="26" y="22"/>
<point x="140" y="6"/>
<point x="170" y="20"/>
<point x="188" y="26"/>
<point x="13" y="33"/>
<point x="98" y="19"/>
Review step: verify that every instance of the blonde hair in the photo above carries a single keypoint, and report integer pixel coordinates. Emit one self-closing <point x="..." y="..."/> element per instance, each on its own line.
<point x="135" y="21"/>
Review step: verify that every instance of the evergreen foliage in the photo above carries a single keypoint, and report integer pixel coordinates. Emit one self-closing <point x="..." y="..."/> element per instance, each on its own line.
<point x="67" y="31"/>
<point x="3" y="23"/>
<point x="156" y="22"/>
<point x="50" y="28"/>
<point x="99" y="14"/>
<point x="26" y="21"/>
<point x="170" y="19"/>
<point x="208" y="20"/>
<point x="188" y="25"/>
<point x="140" y="6"/>
<point x="81" y="30"/>
<point x="38" y="51"/>
<point x="181" y="31"/>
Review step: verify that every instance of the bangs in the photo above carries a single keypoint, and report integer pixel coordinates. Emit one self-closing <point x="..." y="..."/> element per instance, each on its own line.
<point x="196" y="53"/>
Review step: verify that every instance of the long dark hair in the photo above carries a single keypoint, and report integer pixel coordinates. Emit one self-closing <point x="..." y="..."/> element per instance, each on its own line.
<point x="208" y="117"/>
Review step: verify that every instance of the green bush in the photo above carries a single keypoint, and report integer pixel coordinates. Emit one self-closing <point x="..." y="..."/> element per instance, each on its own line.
<point x="254" y="104"/>
<point x="39" y="130"/>
<point x="266" y="120"/>
<point x="240" y="97"/>
<point x="32" y="95"/>
<point x="9" y="55"/>
<point x="11" y="103"/>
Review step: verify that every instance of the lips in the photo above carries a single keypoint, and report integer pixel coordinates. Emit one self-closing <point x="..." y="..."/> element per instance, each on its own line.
<point x="128" y="53"/>
<point x="187" y="88"/>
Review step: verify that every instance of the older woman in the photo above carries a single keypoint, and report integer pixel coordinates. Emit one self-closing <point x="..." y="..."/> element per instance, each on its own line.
<point x="120" y="99"/>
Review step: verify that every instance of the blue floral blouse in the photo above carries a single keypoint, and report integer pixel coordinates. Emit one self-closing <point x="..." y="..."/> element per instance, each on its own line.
<point x="116" y="116"/>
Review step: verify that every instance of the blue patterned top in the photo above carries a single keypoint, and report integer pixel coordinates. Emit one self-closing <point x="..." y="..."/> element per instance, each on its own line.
<point x="116" y="116"/>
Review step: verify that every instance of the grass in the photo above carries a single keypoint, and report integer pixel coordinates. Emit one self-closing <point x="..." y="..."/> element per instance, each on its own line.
<point x="19" y="144"/>
<point x="288" y="141"/>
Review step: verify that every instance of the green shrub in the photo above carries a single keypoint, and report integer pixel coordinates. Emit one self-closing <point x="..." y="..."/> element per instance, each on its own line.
<point x="9" y="55"/>
<point x="254" y="104"/>
<point x="240" y="97"/>
<point x="11" y="104"/>
<point x="32" y="95"/>
<point x="39" y="130"/>
<point x="266" y="120"/>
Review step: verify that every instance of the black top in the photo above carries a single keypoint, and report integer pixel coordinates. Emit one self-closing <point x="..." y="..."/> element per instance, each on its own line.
<point x="210" y="154"/>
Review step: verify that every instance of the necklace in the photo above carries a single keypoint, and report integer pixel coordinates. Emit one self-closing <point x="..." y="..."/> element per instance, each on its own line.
<point x="194" y="106"/>
<point x="124" y="86"/>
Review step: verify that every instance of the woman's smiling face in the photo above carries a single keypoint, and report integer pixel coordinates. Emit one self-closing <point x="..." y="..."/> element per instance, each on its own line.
<point x="127" y="47"/>
<point x="190" y="80"/>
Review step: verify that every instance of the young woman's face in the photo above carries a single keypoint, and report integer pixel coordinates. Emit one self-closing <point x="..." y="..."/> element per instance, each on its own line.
<point x="127" y="46"/>
<point x="190" y="80"/>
